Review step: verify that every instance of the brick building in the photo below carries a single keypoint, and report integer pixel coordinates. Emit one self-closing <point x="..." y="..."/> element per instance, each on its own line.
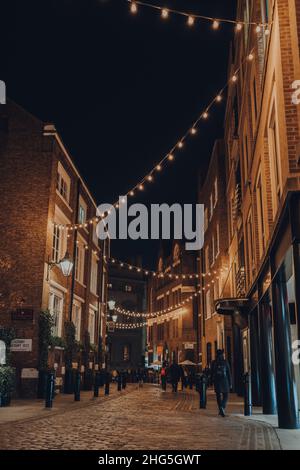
<point x="262" y="143"/>
<point x="126" y="347"/>
<point x="214" y="329"/>
<point x="173" y="335"/>
<point x="41" y="193"/>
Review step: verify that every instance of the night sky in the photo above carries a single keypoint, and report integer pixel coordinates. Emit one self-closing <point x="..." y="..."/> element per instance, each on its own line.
<point x="121" y="89"/>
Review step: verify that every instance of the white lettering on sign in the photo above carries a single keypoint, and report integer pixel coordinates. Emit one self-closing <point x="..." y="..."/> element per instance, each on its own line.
<point x="29" y="373"/>
<point x="21" y="345"/>
<point x="296" y="94"/>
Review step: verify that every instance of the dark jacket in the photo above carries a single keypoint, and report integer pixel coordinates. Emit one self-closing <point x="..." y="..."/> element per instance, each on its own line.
<point x="175" y="372"/>
<point x="221" y="376"/>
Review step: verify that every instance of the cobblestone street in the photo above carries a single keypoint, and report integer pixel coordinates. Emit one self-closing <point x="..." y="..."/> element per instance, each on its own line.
<point x="142" y="419"/>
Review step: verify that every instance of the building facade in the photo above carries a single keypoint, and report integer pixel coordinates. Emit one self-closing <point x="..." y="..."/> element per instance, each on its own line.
<point x="46" y="211"/>
<point x="262" y="144"/>
<point x="172" y="332"/>
<point x="214" y="330"/>
<point x="127" y="344"/>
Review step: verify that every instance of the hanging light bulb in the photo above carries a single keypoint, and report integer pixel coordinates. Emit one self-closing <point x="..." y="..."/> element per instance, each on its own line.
<point x="164" y="13"/>
<point x="141" y="187"/>
<point x="158" y="167"/>
<point x="131" y="193"/>
<point x="215" y="24"/>
<point x="250" y="56"/>
<point x="133" y="7"/>
<point x="234" y="78"/>
<point x="180" y="144"/>
<point x="190" y="20"/>
<point x="219" y="98"/>
<point x="258" y="28"/>
<point x="239" y="26"/>
<point x="193" y="131"/>
<point x="170" y="157"/>
<point x="149" y="177"/>
<point x="205" y="115"/>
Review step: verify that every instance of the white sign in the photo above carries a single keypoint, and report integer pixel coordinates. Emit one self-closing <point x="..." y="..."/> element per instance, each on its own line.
<point x="2" y="353"/>
<point x="29" y="373"/>
<point x="188" y="345"/>
<point x="22" y="345"/>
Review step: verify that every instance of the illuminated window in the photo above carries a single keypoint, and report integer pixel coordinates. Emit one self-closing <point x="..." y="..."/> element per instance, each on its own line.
<point x="126" y="352"/>
<point x="63" y="182"/>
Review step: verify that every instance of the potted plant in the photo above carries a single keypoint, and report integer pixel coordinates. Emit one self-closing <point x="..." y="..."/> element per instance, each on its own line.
<point x="45" y="325"/>
<point x="88" y="373"/>
<point x="7" y="384"/>
<point x="70" y="350"/>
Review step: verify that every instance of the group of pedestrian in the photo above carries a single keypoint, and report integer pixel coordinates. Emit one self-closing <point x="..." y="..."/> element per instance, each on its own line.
<point x="218" y="375"/>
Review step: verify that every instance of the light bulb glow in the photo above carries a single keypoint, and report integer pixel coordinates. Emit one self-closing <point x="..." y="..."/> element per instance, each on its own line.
<point x="239" y="26"/>
<point x="133" y="7"/>
<point x="258" y="28"/>
<point x="141" y="187"/>
<point x="164" y="13"/>
<point x="190" y="20"/>
<point x="180" y="145"/>
<point x="170" y="157"/>
<point x="234" y="78"/>
<point x="205" y="115"/>
<point x="250" y="57"/>
<point x="193" y="131"/>
<point x="219" y="98"/>
<point x="215" y="24"/>
<point x="158" y="167"/>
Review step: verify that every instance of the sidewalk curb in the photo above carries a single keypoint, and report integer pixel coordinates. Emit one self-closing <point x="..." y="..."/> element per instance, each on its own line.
<point x="43" y="412"/>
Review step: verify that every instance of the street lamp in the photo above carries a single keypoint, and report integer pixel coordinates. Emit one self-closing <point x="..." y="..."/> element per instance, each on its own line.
<point x="66" y="265"/>
<point x="111" y="306"/>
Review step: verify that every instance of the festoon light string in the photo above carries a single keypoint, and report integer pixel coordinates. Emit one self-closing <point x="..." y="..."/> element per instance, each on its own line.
<point x="192" y="18"/>
<point x="159" y="274"/>
<point x="168" y="158"/>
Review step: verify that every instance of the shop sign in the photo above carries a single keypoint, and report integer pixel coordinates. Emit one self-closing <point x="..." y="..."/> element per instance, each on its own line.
<point x="21" y="345"/>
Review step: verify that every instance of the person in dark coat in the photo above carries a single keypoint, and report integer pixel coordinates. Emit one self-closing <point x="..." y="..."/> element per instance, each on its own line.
<point x="175" y="375"/>
<point x="221" y="378"/>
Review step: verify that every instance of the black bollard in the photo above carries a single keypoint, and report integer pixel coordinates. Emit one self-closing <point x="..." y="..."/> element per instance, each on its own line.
<point x="202" y="391"/>
<point x="49" y="389"/>
<point x="247" y="395"/>
<point x="77" y="385"/>
<point x="107" y="381"/>
<point x="96" y="384"/>
<point x="119" y="381"/>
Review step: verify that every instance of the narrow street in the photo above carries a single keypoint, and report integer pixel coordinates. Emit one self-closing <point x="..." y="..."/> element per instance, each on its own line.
<point x="139" y="419"/>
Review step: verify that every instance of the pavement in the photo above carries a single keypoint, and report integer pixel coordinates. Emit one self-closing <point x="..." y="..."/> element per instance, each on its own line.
<point x="135" y="419"/>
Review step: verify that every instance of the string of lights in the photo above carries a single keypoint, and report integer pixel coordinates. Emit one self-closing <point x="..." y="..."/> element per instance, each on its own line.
<point x="166" y="159"/>
<point x="192" y="18"/>
<point x="158" y="274"/>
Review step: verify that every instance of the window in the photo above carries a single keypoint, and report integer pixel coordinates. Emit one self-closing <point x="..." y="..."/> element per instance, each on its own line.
<point x="274" y="158"/>
<point x="56" y="309"/>
<point x="63" y="182"/>
<point x="206" y="259"/>
<point x="205" y="219"/>
<point x="215" y="192"/>
<point x="216" y="289"/>
<point x="79" y="264"/>
<point x="94" y="274"/>
<point x="76" y="318"/>
<point x="249" y="242"/>
<point x="260" y="215"/>
<point x="92" y="321"/>
<point x="59" y="239"/>
<point x="212" y="250"/>
<point x="128" y="288"/>
<point x="217" y="240"/>
<point x="126" y="352"/>
<point x="211" y="206"/>
<point x="208" y="304"/>
<point x="82" y="211"/>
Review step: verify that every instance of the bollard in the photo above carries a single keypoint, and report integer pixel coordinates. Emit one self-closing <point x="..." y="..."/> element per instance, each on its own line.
<point x="202" y="391"/>
<point x="107" y="380"/>
<point x="119" y="382"/>
<point x="77" y="385"/>
<point x="247" y="395"/>
<point x="96" y="384"/>
<point x="49" y="389"/>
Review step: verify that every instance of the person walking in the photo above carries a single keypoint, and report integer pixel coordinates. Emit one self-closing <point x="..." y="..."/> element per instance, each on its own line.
<point x="175" y="375"/>
<point x="163" y="377"/>
<point x="221" y="378"/>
